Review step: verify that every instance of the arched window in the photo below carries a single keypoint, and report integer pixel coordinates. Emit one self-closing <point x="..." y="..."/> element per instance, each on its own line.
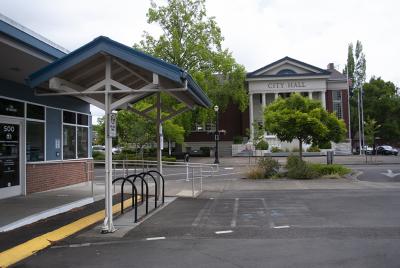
<point x="286" y="72"/>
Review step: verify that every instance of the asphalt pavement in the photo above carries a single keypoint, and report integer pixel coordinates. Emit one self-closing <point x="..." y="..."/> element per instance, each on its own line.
<point x="307" y="228"/>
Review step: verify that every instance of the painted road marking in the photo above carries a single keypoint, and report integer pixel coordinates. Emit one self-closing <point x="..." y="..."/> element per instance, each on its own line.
<point x="224" y="232"/>
<point x="228" y="168"/>
<point x="235" y="212"/>
<point x="155" y="238"/>
<point x="281" y="227"/>
<point x="24" y="250"/>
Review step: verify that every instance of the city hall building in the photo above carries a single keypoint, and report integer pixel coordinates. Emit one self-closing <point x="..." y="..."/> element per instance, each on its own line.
<point x="277" y="79"/>
<point x="287" y="75"/>
<point x="44" y="141"/>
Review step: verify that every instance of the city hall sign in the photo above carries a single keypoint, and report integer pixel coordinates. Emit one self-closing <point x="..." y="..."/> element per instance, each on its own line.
<point x="286" y="84"/>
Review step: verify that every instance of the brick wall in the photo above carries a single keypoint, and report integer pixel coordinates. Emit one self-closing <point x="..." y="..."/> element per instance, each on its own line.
<point x="46" y="176"/>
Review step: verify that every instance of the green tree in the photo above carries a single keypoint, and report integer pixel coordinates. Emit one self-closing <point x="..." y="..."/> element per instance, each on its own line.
<point x="303" y="119"/>
<point x="356" y="71"/>
<point x="371" y="129"/>
<point x="173" y="132"/>
<point x="193" y="41"/>
<point x="382" y="104"/>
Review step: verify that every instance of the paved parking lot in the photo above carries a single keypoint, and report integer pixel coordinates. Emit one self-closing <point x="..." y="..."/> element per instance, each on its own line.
<point x="296" y="228"/>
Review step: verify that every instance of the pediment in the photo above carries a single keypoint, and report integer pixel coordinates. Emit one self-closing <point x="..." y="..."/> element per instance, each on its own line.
<point x="288" y="67"/>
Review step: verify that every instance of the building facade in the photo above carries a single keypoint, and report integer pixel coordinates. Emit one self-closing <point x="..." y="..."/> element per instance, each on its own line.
<point x="287" y="75"/>
<point x="45" y="142"/>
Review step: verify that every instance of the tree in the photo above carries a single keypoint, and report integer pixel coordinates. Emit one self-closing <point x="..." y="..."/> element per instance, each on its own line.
<point x="303" y="119"/>
<point x="371" y="129"/>
<point x="382" y="104"/>
<point x="356" y="71"/>
<point x="173" y="132"/>
<point x="193" y="41"/>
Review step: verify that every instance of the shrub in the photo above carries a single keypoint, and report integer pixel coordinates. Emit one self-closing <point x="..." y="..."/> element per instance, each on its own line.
<point x="98" y="156"/>
<point x="335" y="169"/>
<point x="262" y="145"/>
<point x="325" y="145"/>
<point x="275" y="150"/>
<point x="237" y="140"/>
<point x="313" y="149"/>
<point x="255" y="173"/>
<point x="299" y="169"/>
<point x="296" y="150"/>
<point x="269" y="166"/>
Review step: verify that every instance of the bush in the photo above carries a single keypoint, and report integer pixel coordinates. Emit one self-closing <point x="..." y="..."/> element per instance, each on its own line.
<point x="313" y="149"/>
<point x="335" y="169"/>
<point x="269" y="166"/>
<point x="237" y="140"/>
<point x="262" y="145"/>
<point x="299" y="169"/>
<point x="98" y="156"/>
<point x="296" y="150"/>
<point x="255" y="173"/>
<point x="276" y="150"/>
<point x="325" y="145"/>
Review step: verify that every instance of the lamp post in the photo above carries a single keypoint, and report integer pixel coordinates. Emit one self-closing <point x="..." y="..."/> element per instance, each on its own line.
<point x="216" y="108"/>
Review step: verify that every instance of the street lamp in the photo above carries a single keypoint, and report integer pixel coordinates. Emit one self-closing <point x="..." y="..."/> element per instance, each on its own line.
<point x="216" y="108"/>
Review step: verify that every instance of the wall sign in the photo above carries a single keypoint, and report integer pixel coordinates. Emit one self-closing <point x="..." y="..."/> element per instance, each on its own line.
<point x="12" y="108"/>
<point x="112" y="123"/>
<point x="286" y="84"/>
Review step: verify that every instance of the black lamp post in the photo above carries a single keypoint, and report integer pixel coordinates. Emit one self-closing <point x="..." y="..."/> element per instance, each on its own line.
<point x="216" y="108"/>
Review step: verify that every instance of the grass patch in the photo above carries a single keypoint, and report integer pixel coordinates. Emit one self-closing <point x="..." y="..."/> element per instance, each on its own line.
<point x="324" y="170"/>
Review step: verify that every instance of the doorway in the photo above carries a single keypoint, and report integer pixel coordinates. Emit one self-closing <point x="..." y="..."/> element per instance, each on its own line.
<point x="11" y="156"/>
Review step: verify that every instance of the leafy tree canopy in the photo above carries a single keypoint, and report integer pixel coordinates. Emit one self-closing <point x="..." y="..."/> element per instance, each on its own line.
<point x="193" y="41"/>
<point x="382" y="104"/>
<point x="300" y="118"/>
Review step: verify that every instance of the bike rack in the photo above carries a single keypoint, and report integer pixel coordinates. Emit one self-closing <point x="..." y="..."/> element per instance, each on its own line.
<point x="163" y="182"/>
<point x="143" y="175"/>
<point x="134" y="194"/>
<point x="135" y="176"/>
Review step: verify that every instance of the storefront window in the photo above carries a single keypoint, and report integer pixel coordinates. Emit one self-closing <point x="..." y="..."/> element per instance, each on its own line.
<point x="82" y="142"/>
<point x="35" y="111"/>
<point x="69" y="142"/>
<point x="83" y="119"/>
<point x="69" y="117"/>
<point x="34" y="141"/>
<point x="11" y="108"/>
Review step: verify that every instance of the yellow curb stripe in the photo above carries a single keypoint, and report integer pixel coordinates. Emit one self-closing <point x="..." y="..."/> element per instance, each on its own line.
<point x="36" y="244"/>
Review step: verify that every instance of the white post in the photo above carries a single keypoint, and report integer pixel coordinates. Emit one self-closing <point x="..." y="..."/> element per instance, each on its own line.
<point x="159" y="140"/>
<point x="310" y="95"/>
<point x="323" y="99"/>
<point x="108" y="226"/>
<point x="251" y="116"/>
<point x="193" y="182"/>
<point x="276" y="95"/>
<point x="187" y="171"/>
<point x="263" y="100"/>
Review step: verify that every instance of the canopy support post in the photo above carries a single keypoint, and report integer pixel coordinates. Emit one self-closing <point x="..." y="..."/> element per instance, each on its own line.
<point x="159" y="140"/>
<point x="108" y="226"/>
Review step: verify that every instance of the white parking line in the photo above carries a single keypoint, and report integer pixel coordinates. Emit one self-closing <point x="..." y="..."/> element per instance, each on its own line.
<point x="155" y="238"/>
<point x="224" y="232"/>
<point x="281" y="227"/>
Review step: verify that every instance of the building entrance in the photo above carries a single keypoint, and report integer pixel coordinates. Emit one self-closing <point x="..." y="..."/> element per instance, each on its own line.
<point x="10" y="158"/>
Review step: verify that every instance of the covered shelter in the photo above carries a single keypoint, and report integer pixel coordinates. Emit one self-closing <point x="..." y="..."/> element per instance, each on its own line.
<point x="113" y="76"/>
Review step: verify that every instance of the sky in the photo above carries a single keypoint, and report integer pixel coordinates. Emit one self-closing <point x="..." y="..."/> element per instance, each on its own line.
<point x="257" y="32"/>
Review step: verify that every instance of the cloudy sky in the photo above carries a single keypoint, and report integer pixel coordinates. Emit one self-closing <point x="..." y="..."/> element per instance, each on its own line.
<point x="256" y="31"/>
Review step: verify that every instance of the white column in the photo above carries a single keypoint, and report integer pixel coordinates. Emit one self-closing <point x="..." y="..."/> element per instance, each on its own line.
<point x="263" y="100"/>
<point x="251" y="116"/>
<point x="310" y="95"/>
<point x="108" y="226"/>
<point x="276" y="95"/>
<point x="323" y="101"/>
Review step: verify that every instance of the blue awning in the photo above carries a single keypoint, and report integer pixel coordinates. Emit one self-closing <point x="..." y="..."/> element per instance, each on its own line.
<point x="84" y="65"/>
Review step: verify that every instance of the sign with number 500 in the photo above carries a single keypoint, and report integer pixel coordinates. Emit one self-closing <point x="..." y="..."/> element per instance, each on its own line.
<point x="8" y="128"/>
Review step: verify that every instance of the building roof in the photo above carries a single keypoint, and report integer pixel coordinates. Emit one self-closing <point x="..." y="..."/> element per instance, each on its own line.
<point x="317" y="70"/>
<point x="30" y="38"/>
<point x="80" y="61"/>
<point x="336" y="75"/>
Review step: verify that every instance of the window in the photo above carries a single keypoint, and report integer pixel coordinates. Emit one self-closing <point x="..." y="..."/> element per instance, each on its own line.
<point x="286" y="72"/>
<point x="34" y="111"/>
<point x="34" y="141"/>
<point x="75" y="135"/>
<point x="337" y="103"/>
<point x="12" y="108"/>
<point x="82" y="142"/>
<point x="69" y="117"/>
<point x="69" y="142"/>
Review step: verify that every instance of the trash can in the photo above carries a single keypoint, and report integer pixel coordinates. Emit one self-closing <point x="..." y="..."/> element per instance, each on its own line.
<point x="329" y="157"/>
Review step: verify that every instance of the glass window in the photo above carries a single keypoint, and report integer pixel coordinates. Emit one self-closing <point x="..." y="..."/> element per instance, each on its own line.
<point x="69" y="117"/>
<point x="34" y="141"/>
<point x="12" y="108"/>
<point x="82" y="142"/>
<point x="83" y="119"/>
<point x="337" y="103"/>
<point x="35" y="111"/>
<point x="69" y="142"/>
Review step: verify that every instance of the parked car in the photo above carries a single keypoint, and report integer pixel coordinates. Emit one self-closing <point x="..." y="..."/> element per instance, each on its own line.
<point x="368" y="150"/>
<point x="387" y="150"/>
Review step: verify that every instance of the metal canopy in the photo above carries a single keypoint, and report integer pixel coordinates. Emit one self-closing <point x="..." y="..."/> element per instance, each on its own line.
<point x="113" y="76"/>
